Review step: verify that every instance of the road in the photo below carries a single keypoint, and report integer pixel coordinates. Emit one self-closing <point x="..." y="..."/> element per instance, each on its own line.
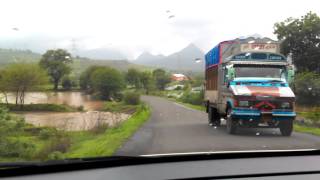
<point x="174" y="128"/>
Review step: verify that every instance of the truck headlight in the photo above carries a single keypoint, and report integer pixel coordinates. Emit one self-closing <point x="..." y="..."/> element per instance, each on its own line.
<point x="243" y="103"/>
<point x="285" y="105"/>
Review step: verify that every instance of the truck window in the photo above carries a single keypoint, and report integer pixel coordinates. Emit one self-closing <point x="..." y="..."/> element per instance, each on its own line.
<point x="225" y="79"/>
<point x="276" y="57"/>
<point x="258" y="56"/>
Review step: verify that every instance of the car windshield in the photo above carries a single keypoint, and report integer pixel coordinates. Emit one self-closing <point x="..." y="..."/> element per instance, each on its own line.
<point x="92" y="78"/>
<point x="264" y="72"/>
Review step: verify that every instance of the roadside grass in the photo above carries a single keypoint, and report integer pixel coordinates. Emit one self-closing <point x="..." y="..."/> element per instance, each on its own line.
<point x="41" y="107"/>
<point x="29" y="138"/>
<point x="307" y="129"/>
<point x="86" y="144"/>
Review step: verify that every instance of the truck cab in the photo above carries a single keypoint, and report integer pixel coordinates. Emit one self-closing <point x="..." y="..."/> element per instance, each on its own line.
<point x="248" y="85"/>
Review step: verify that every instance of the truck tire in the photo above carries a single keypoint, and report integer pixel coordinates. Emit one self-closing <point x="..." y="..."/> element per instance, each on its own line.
<point x="213" y="117"/>
<point x="231" y="123"/>
<point x="286" y="127"/>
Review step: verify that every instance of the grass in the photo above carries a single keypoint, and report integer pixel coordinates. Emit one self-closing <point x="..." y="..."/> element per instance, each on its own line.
<point x="87" y="144"/>
<point x="41" y="107"/>
<point x="307" y="129"/>
<point x="119" y="107"/>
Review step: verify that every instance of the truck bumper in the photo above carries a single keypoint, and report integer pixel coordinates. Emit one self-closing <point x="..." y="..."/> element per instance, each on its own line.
<point x="257" y="115"/>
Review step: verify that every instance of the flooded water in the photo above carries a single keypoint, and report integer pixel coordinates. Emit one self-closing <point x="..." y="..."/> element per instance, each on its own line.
<point x="74" y="121"/>
<point x="70" y="121"/>
<point x="75" y="99"/>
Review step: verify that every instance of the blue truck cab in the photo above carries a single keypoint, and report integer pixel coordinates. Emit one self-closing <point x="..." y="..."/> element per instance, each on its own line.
<point x="247" y="83"/>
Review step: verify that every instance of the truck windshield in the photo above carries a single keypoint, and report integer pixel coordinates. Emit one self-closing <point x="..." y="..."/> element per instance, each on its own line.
<point x="254" y="71"/>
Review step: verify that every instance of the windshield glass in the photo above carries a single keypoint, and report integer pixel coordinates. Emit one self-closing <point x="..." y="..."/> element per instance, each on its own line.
<point x="93" y="78"/>
<point x="264" y="72"/>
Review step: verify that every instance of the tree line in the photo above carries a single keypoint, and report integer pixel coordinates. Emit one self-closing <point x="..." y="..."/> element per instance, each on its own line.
<point x="54" y="67"/>
<point x="301" y="39"/>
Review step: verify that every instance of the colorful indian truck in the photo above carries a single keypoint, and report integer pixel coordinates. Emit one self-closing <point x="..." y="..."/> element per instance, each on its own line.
<point x="247" y="83"/>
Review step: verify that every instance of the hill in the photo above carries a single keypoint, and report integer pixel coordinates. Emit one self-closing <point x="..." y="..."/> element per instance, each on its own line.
<point x="183" y="60"/>
<point x="81" y="64"/>
<point x="8" y="56"/>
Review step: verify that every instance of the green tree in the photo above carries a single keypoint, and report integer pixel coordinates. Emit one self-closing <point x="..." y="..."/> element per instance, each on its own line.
<point x="307" y="88"/>
<point x="20" y="78"/>
<point x="107" y="82"/>
<point x="161" y="78"/>
<point x="133" y="78"/>
<point x="85" y="77"/>
<point x="301" y="38"/>
<point x="146" y="81"/>
<point x="56" y="63"/>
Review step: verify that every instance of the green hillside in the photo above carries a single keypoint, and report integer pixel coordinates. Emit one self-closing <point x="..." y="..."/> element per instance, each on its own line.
<point x="79" y="65"/>
<point x="8" y="56"/>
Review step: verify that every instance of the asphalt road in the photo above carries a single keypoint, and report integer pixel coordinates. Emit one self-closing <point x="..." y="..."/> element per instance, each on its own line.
<point x="174" y="128"/>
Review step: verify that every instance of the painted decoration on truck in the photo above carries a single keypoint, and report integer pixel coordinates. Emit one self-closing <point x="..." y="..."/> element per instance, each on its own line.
<point x="259" y="47"/>
<point x="246" y="90"/>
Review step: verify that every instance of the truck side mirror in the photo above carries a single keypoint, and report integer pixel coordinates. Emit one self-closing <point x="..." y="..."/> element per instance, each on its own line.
<point x="290" y="75"/>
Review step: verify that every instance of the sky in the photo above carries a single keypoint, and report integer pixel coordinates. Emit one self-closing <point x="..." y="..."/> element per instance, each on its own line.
<point x="135" y="26"/>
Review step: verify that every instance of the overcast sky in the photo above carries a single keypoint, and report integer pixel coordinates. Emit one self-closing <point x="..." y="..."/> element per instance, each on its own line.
<point x="134" y="26"/>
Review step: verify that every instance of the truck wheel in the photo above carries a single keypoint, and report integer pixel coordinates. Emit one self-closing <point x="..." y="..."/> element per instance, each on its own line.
<point x="286" y="127"/>
<point x="213" y="117"/>
<point x="231" y="124"/>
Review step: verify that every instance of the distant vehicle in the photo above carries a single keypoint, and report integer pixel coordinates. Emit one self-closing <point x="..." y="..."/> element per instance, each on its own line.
<point x="247" y="82"/>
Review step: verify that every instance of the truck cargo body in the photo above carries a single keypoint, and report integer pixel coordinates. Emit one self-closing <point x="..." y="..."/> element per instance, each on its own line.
<point x="247" y="83"/>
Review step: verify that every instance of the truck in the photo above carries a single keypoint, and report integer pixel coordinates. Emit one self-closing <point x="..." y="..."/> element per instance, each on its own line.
<point x="247" y="83"/>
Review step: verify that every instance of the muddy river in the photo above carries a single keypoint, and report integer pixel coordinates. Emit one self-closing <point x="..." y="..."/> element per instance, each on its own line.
<point x="70" y="121"/>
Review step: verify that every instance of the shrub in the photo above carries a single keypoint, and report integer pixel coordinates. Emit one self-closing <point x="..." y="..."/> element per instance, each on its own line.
<point x="178" y="88"/>
<point x="132" y="98"/>
<point x="56" y="155"/>
<point x="66" y="83"/>
<point x="80" y="108"/>
<point x="192" y="98"/>
<point x="46" y="133"/>
<point x="16" y="147"/>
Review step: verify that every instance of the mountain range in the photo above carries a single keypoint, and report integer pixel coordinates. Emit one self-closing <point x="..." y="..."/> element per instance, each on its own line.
<point x="9" y="56"/>
<point x="183" y="60"/>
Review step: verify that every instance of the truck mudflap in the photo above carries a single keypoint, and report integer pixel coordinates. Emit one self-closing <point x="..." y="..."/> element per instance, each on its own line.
<point x="255" y="114"/>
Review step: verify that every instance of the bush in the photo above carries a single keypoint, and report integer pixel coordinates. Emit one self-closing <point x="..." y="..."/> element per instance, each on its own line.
<point x="132" y="98"/>
<point x="66" y="83"/>
<point x="56" y="155"/>
<point x="16" y="147"/>
<point x="192" y="98"/>
<point x="46" y="133"/>
<point x="80" y="108"/>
